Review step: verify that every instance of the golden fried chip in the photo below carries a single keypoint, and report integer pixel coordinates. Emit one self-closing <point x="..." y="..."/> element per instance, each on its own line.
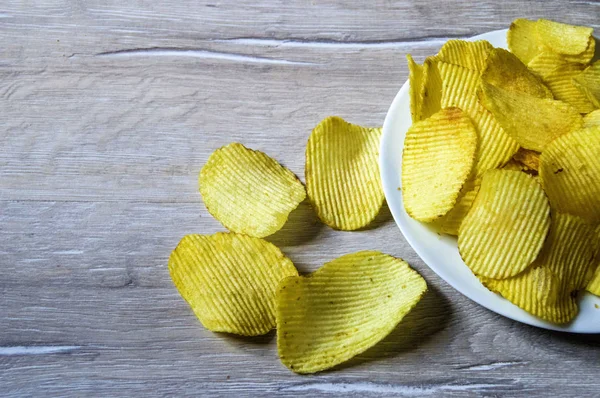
<point x="592" y="119"/>
<point x="584" y="57"/>
<point x="468" y="54"/>
<point x="460" y="90"/>
<point x="570" y="173"/>
<point x="506" y="226"/>
<point x="545" y="63"/>
<point x="563" y="38"/>
<point x="522" y="39"/>
<point x="438" y="157"/>
<point x="529" y="158"/>
<point x="593" y="285"/>
<point x="415" y="79"/>
<point x="230" y="280"/>
<point x="562" y="85"/>
<point x="431" y="91"/>
<point x="549" y="288"/>
<point x="342" y="173"/>
<point x="588" y="83"/>
<point x="344" y="308"/>
<point x="532" y="122"/>
<point x="450" y="223"/>
<point x="248" y="191"/>
<point x="503" y="69"/>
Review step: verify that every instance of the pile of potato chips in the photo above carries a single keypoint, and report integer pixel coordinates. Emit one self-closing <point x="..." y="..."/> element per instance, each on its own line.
<point x="239" y="283"/>
<point x="504" y="152"/>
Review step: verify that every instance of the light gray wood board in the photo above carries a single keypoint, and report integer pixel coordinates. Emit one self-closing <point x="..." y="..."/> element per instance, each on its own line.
<point x="109" y="111"/>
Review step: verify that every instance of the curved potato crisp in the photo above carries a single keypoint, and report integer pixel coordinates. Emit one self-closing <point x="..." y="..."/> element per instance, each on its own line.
<point x="545" y="63"/>
<point x="593" y="285"/>
<point x="506" y="226"/>
<point x="415" y="78"/>
<point x="437" y="160"/>
<point x="344" y="308"/>
<point x="248" y="191"/>
<point x="570" y="173"/>
<point x="588" y="83"/>
<point x="563" y="38"/>
<point x="522" y="39"/>
<point x="549" y="288"/>
<point x="431" y="90"/>
<point x="342" y="173"/>
<point x="562" y="83"/>
<point x="230" y="280"/>
<point x="468" y="54"/>
<point x="450" y="223"/>
<point x="592" y="119"/>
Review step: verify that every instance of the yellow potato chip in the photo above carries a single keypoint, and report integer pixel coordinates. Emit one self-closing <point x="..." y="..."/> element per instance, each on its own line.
<point x="592" y="119"/>
<point x="563" y="38"/>
<point x="529" y="158"/>
<point x="532" y="122"/>
<point x="344" y="308"/>
<point x="248" y="191"/>
<point x="588" y="83"/>
<point x="561" y="83"/>
<point x="545" y="63"/>
<point x="549" y="288"/>
<point x="431" y="91"/>
<point x="522" y="39"/>
<point x="506" y="226"/>
<point x="586" y="56"/>
<point x="415" y="80"/>
<point x="437" y="160"/>
<point x="468" y="54"/>
<point x="460" y="90"/>
<point x="450" y="223"/>
<point x="230" y="280"/>
<point x="342" y="173"/>
<point x="593" y="285"/>
<point x="570" y="173"/>
<point x="503" y="69"/>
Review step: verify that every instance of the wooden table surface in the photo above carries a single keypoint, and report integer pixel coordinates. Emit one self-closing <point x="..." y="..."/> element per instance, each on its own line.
<point x="109" y="110"/>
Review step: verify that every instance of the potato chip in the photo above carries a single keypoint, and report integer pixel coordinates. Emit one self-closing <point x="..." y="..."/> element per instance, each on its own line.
<point x="549" y="288"/>
<point x="468" y="54"/>
<point x="438" y="157"/>
<point x="545" y="63"/>
<point x="342" y="309"/>
<point x="563" y="38"/>
<point x="460" y="90"/>
<point x="431" y="91"/>
<point x="529" y="158"/>
<point x="522" y="39"/>
<point x="450" y="223"/>
<point x="415" y="79"/>
<point x="230" y="280"/>
<point x="593" y="285"/>
<point x="561" y="82"/>
<point x="506" y="226"/>
<point x="503" y="69"/>
<point x="592" y="119"/>
<point x="570" y="173"/>
<point x="342" y="173"/>
<point x="588" y="83"/>
<point x="586" y="56"/>
<point x="248" y="191"/>
<point x="532" y="122"/>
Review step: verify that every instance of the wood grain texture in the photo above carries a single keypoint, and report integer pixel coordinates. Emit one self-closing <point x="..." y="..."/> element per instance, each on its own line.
<point x="110" y="108"/>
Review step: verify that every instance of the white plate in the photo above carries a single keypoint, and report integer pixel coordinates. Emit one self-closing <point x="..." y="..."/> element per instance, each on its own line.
<point x="440" y="253"/>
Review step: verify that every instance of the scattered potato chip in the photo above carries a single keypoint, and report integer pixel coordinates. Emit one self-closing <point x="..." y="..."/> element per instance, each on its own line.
<point x="230" y="280"/>
<point x="570" y="173"/>
<point x="431" y="91"/>
<point x="342" y="173"/>
<point x="505" y="229"/>
<point x="549" y="288"/>
<point x="563" y="38"/>
<point x="415" y="78"/>
<point x="450" y="223"/>
<point x="248" y="191"/>
<point x="545" y="63"/>
<point x="438" y="157"/>
<point x="460" y="90"/>
<point x="468" y="54"/>
<point x="522" y="39"/>
<point x="529" y="158"/>
<point x="532" y="122"/>
<point x="592" y="119"/>
<point x="503" y="69"/>
<point x="563" y="88"/>
<point x="344" y="308"/>
<point x="588" y="83"/>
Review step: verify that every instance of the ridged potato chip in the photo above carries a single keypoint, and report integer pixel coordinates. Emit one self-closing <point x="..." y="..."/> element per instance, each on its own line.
<point x="562" y="84"/>
<point x="506" y="226"/>
<point x="532" y="122"/>
<point x="431" y="91"/>
<point x="468" y="54"/>
<point x="415" y="78"/>
<point x="592" y="119"/>
<point x="437" y="160"/>
<point x="593" y="285"/>
<point x="549" y="288"/>
<point x="342" y="173"/>
<point x="342" y="309"/>
<point x="586" y="56"/>
<point x="529" y="158"/>
<point x="563" y="38"/>
<point x="503" y="69"/>
<point x="450" y="223"/>
<point x="460" y="90"/>
<point x="588" y="83"/>
<point x="545" y="63"/>
<point x="522" y="39"/>
<point x="570" y="173"/>
<point x="230" y="280"/>
<point x="248" y="191"/>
